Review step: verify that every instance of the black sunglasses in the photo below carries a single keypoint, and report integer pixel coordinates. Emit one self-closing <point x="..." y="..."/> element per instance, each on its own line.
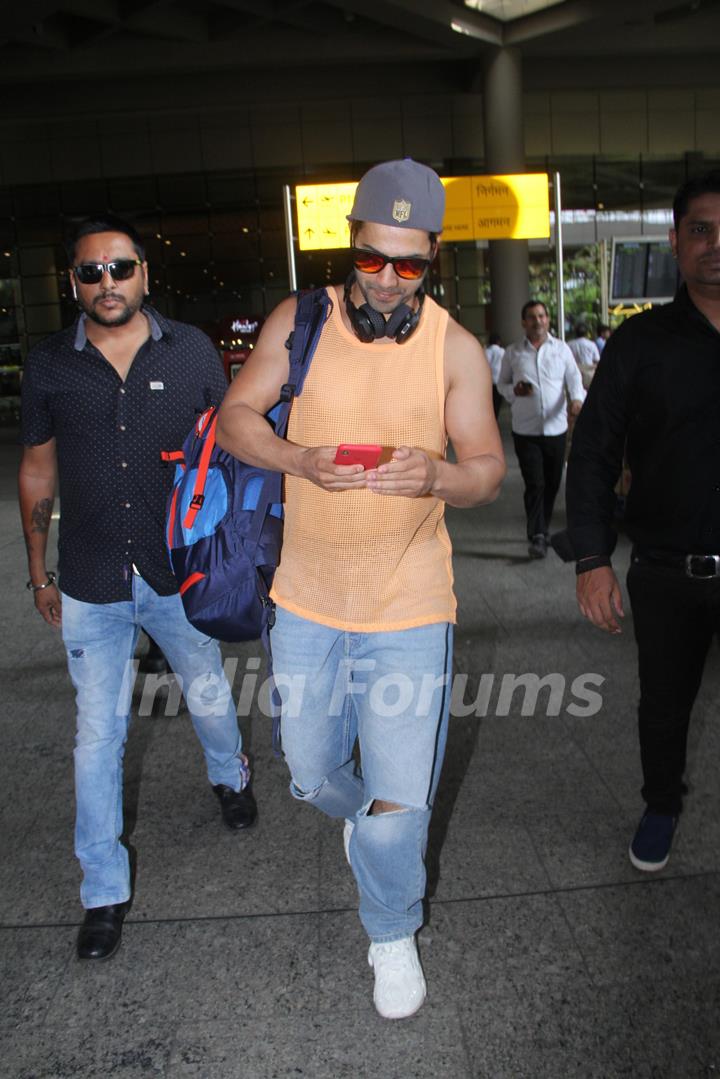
<point x="411" y="269"/>
<point x="89" y="273"/>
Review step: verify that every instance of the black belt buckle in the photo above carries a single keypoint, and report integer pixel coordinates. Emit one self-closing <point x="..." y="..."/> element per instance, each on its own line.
<point x="702" y="566"/>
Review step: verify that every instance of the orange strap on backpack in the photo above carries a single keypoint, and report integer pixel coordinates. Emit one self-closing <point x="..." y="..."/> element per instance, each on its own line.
<point x="198" y="497"/>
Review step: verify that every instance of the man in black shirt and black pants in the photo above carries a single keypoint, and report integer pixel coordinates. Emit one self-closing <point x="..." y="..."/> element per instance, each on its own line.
<point x="657" y="387"/>
<point x="101" y="400"/>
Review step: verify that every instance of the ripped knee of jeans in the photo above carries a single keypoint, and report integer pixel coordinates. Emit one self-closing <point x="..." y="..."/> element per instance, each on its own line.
<point x="379" y="807"/>
<point x="338" y="793"/>
<point x="303" y="795"/>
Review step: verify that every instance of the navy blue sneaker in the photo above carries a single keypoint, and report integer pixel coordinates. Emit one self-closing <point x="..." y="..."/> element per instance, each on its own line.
<point x="650" y="848"/>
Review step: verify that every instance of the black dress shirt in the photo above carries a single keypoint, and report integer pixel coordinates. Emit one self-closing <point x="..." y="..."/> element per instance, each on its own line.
<point x="109" y="436"/>
<point x="658" y="386"/>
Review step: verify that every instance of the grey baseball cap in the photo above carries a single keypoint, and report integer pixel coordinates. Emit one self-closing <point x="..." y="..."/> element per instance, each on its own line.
<point x="402" y="194"/>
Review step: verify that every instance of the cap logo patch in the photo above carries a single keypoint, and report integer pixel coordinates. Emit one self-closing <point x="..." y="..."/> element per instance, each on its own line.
<point x="401" y="210"/>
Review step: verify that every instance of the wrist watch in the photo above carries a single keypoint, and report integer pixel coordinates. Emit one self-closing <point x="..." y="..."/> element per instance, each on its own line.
<point x="51" y="579"/>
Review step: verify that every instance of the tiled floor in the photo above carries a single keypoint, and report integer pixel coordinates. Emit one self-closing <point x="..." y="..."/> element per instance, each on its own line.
<point x="546" y="953"/>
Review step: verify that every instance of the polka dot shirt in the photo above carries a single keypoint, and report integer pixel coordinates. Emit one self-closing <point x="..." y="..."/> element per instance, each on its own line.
<point x="109" y="436"/>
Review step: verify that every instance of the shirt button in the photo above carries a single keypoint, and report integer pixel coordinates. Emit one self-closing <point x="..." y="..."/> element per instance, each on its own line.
<point x="124" y="464"/>
<point x="122" y="389"/>
<point x="127" y="505"/>
<point x="122" y="426"/>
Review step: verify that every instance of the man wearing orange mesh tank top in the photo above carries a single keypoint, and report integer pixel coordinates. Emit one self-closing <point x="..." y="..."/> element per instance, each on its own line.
<point x="365" y="609"/>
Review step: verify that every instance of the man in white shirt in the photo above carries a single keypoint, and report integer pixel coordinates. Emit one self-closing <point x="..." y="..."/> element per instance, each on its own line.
<point x="535" y="375"/>
<point x="586" y="353"/>
<point x="495" y="353"/>
<point x="584" y="350"/>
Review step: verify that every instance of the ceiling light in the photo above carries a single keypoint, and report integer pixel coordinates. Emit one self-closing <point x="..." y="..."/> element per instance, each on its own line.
<point x="507" y="10"/>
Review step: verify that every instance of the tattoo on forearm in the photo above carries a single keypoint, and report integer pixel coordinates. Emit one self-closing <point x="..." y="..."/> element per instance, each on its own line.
<point x="41" y="515"/>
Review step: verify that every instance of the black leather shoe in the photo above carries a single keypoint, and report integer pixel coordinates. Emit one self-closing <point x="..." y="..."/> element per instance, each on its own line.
<point x="100" y="933"/>
<point x="538" y="546"/>
<point x="238" y="808"/>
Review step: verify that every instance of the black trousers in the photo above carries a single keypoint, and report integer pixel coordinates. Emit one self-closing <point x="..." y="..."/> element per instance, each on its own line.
<point x="675" y="618"/>
<point x="541" y="459"/>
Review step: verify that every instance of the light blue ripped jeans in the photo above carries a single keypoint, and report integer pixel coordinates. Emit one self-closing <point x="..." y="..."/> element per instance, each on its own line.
<point x="391" y="691"/>
<point x="100" y="641"/>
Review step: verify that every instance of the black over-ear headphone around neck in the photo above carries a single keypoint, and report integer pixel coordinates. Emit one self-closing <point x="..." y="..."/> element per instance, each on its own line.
<point x="369" y="325"/>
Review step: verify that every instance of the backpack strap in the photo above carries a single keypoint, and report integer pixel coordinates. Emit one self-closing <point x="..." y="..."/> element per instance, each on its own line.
<point x="203" y="466"/>
<point x="313" y="309"/>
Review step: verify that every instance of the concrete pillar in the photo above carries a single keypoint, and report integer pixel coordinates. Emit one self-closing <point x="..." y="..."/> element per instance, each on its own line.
<point x="505" y="152"/>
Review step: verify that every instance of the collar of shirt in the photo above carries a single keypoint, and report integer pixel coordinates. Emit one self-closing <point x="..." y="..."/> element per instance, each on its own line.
<point x="549" y="340"/>
<point x="682" y="300"/>
<point x="158" y="328"/>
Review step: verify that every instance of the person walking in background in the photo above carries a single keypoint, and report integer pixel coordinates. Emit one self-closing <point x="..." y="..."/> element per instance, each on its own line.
<point x="657" y="391"/>
<point x="585" y="352"/>
<point x="495" y="353"/>
<point x="100" y="401"/>
<point x="364" y="587"/>
<point x="536" y="374"/>
<point x="603" y="336"/>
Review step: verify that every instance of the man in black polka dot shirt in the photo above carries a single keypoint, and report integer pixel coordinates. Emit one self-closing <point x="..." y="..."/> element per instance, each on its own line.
<point x="101" y="400"/>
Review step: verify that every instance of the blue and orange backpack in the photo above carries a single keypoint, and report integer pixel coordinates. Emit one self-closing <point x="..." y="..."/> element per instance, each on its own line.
<point x="225" y="518"/>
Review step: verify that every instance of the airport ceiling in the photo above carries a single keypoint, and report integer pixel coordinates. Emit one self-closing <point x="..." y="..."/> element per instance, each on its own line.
<point x="46" y="41"/>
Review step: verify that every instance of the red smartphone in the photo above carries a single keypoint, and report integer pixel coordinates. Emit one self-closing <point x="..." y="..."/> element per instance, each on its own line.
<point x="366" y="455"/>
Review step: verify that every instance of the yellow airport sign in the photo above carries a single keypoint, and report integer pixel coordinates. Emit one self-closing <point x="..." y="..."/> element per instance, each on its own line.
<point x="506" y="207"/>
<point x="322" y="215"/>
<point x="501" y="207"/>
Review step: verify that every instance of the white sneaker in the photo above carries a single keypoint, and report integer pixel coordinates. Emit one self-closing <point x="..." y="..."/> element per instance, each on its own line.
<point x="347" y="832"/>
<point x="399" y="983"/>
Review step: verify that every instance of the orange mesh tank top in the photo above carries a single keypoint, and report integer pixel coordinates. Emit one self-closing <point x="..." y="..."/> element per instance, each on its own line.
<point x="355" y="560"/>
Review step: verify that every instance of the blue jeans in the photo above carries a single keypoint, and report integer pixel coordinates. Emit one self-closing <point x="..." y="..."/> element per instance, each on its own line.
<point x="100" y="641"/>
<point x="391" y="691"/>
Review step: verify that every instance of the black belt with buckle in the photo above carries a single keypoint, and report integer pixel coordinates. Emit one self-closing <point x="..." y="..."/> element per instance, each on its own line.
<point x="701" y="567"/>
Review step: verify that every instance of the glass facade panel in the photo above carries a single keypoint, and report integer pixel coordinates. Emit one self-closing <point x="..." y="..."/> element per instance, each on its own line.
<point x="577" y="187"/>
<point x="46" y="259"/>
<point x="660" y="181"/>
<point x="186" y="224"/>
<point x="236" y="244"/>
<point x="182" y="192"/>
<point x="40" y="230"/>
<point x="8" y="314"/>
<point x="125" y="196"/>
<point x="617" y="184"/>
<point x="231" y="190"/>
<point x="37" y="202"/>
<point x="84" y="198"/>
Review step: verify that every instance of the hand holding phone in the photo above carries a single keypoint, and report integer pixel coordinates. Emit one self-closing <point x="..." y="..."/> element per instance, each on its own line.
<point x="523" y="389"/>
<point x="365" y="454"/>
